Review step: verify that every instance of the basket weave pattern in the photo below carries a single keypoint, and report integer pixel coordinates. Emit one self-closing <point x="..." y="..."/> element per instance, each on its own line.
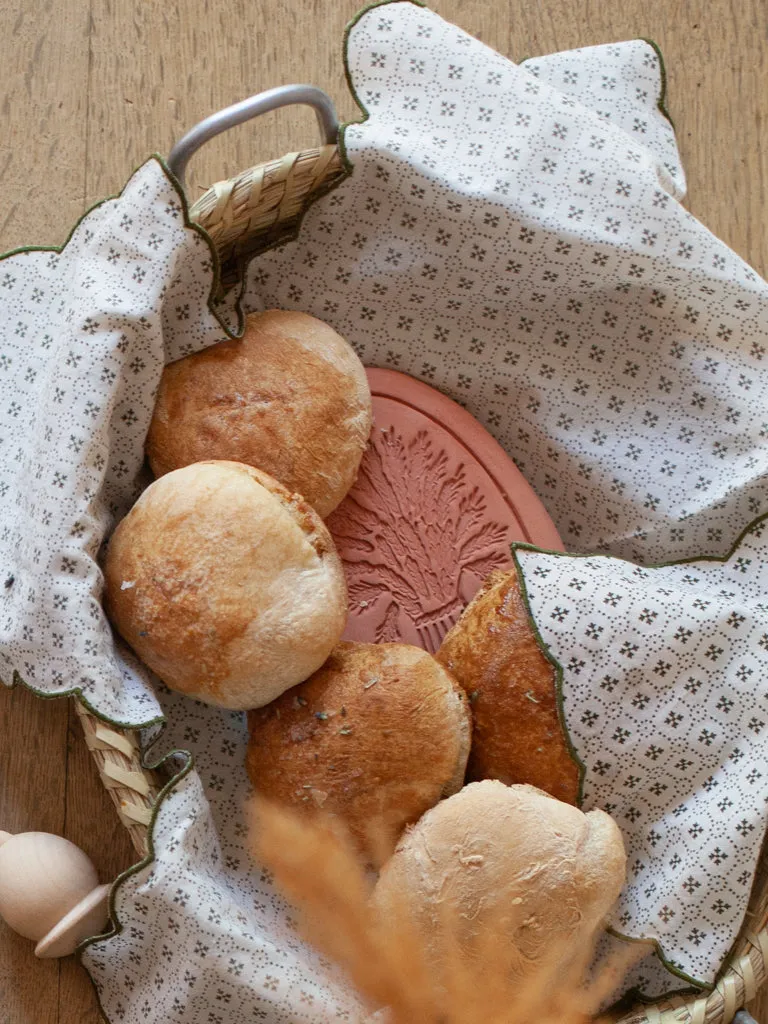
<point x="245" y="216"/>
<point x="263" y="205"/>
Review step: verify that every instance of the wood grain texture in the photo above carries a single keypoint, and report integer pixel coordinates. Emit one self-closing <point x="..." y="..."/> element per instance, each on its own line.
<point x="33" y="763"/>
<point x="91" y="87"/>
<point x="43" y="99"/>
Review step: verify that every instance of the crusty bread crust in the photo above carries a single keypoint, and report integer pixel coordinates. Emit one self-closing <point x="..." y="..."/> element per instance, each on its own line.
<point x="290" y="397"/>
<point x="517" y="735"/>
<point x="376" y="737"/>
<point x="225" y="584"/>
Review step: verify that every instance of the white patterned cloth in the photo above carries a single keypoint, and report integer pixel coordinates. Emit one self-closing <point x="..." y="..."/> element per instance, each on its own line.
<point x="512" y="236"/>
<point x="206" y="937"/>
<point x="84" y="336"/>
<point x="664" y="700"/>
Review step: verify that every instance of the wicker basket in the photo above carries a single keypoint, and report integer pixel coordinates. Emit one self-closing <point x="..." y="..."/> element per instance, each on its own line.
<point x="247" y="215"/>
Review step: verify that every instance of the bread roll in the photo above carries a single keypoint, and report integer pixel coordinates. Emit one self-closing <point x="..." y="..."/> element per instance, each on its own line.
<point x="290" y="397"/>
<point x="376" y="737"/>
<point x="225" y="584"/>
<point x="507" y="865"/>
<point x="495" y="655"/>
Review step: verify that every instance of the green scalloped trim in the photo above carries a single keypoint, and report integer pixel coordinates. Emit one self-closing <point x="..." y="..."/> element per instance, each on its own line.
<point x="661" y="99"/>
<point x="75" y="691"/>
<point x="558" y="669"/>
<point x="165" y="792"/>
<point x="188" y="223"/>
<point x="522" y="546"/>
<point x="348" y="75"/>
<point x="661" y="102"/>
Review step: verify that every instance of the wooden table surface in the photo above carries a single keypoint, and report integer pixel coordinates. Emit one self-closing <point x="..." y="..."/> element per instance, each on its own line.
<point x="92" y="87"/>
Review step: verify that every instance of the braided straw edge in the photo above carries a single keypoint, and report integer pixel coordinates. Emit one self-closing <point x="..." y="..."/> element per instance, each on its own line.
<point x="264" y="205"/>
<point x="131" y="786"/>
<point x="244" y="216"/>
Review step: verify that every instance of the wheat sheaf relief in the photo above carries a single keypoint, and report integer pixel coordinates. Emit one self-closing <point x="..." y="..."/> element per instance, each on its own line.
<point x="412" y="530"/>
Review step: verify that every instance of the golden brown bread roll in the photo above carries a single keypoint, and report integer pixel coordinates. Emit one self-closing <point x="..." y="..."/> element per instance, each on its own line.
<point x="290" y="397"/>
<point x="495" y="655"/>
<point x="507" y="865"/>
<point x="225" y="584"/>
<point x="377" y="736"/>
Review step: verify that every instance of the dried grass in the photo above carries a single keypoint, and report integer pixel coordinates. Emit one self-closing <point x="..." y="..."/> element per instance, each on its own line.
<point x="318" y="870"/>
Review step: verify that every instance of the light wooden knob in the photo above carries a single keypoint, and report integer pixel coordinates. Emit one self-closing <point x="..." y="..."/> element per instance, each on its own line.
<point x="50" y="892"/>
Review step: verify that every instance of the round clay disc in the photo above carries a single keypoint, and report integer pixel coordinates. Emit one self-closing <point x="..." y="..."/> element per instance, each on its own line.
<point x="436" y="505"/>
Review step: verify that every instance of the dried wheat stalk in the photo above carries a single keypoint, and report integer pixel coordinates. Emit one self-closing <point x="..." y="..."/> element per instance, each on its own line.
<point x="318" y="870"/>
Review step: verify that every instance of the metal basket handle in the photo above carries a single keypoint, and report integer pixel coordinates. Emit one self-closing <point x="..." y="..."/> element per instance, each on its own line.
<point x="239" y="113"/>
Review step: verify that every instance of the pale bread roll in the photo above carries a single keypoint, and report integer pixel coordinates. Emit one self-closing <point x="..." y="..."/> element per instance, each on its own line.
<point x="290" y="398"/>
<point x="508" y="865"/>
<point x="225" y="584"/>
<point x="376" y="737"/>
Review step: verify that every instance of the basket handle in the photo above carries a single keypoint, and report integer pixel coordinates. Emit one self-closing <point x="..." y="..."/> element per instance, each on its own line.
<point x="238" y="113"/>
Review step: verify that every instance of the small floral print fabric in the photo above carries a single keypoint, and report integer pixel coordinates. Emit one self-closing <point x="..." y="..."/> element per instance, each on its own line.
<point x="511" y="235"/>
<point x="84" y="336"/>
